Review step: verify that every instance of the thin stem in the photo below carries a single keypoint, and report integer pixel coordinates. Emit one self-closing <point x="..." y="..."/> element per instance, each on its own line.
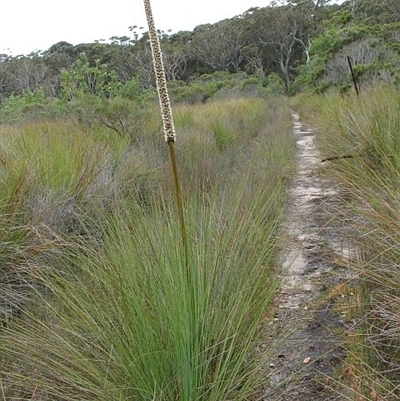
<point x="353" y="76"/>
<point x="179" y="202"/>
<point x="168" y="122"/>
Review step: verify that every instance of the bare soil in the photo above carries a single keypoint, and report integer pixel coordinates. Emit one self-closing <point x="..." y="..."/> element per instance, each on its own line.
<point x="307" y="364"/>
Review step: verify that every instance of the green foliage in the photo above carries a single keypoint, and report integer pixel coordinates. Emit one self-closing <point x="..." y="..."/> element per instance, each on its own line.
<point x="221" y="76"/>
<point x="274" y="84"/>
<point x="222" y="136"/>
<point x="16" y="106"/>
<point x="129" y="90"/>
<point x="328" y="43"/>
<point x="218" y="84"/>
<point x="367" y="128"/>
<point x="201" y="88"/>
<point x="345" y="17"/>
<point x="372" y="49"/>
<point x="219" y="135"/>
<point x="194" y="92"/>
<point x="142" y="331"/>
<point x="94" y="95"/>
<point x="84" y="79"/>
<point x="123" y="116"/>
<point x="272" y="39"/>
<point x="14" y="231"/>
<point x="254" y="86"/>
<point x="114" y="313"/>
<point x="20" y="101"/>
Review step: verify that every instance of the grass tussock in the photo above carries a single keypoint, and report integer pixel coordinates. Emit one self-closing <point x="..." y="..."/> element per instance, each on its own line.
<point x="366" y="130"/>
<point x="111" y="310"/>
<point x="225" y="137"/>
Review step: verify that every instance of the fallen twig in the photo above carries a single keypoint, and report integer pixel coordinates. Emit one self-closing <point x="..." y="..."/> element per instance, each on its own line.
<point x="328" y="159"/>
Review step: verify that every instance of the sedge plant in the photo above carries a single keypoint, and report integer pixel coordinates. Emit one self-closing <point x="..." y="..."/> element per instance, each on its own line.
<point x="120" y="319"/>
<point x="366" y="129"/>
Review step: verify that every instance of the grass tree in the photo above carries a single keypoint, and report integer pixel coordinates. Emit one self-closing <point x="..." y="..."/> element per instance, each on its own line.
<point x="166" y="113"/>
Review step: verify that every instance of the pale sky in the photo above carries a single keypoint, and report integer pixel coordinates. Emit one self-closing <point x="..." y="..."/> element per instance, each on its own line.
<point x="30" y="25"/>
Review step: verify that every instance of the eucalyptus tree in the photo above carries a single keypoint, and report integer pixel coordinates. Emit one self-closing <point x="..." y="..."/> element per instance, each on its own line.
<point x="23" y="74"/>
<point x="283" y="35"/>
<point x="220" y="46"/>
<point x="377" y="11"/>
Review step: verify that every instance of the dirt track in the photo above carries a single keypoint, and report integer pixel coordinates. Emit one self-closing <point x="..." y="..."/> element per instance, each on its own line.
<point x="307" y="358"/>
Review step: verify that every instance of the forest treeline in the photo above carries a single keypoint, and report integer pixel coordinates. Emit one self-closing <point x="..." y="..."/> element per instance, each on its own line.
<point x="288" y="46"/>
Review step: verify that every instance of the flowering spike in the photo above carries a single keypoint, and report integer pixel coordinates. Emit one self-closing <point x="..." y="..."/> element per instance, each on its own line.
<point x="165" y="104"/>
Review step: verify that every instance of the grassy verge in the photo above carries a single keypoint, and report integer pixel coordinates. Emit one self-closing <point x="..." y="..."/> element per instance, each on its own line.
<point x="362" y="137"/>
<point x="111" y="312"/>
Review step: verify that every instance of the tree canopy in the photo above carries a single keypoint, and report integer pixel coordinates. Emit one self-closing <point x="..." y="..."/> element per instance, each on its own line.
<point x="306" y="43"/>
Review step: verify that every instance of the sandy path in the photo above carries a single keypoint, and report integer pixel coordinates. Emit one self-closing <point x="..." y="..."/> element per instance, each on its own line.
<point x="309" y="354"/>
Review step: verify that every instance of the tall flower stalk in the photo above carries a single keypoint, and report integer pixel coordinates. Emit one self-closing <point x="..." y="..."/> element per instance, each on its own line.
<point x="166" y="115"/>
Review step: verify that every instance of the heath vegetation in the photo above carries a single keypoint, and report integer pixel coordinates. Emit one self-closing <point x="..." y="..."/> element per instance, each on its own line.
<point x="99" y="300"/>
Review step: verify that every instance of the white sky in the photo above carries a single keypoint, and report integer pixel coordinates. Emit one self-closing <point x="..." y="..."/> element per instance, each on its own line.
<point x="30" y="25"/>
